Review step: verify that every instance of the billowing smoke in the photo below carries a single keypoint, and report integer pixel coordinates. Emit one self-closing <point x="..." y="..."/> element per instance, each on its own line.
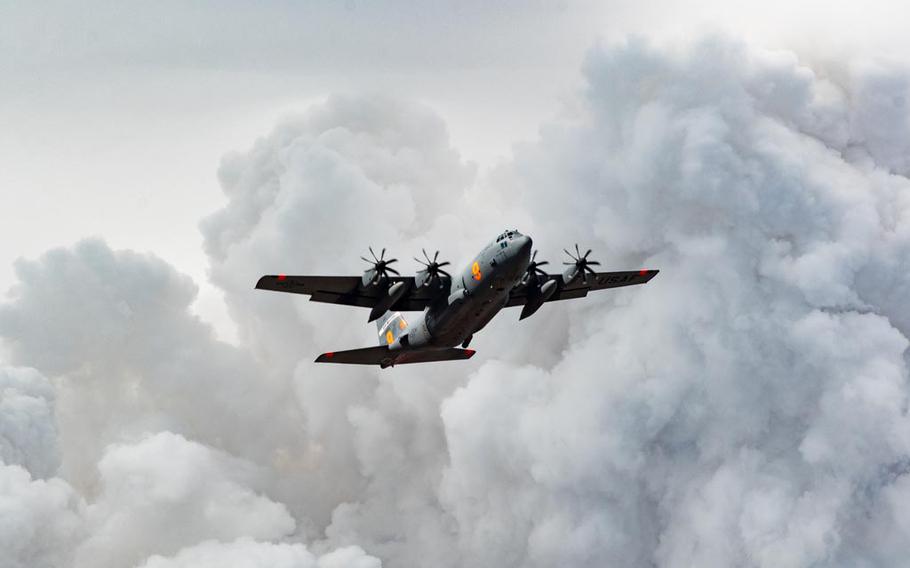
<point x="747" y="407"/>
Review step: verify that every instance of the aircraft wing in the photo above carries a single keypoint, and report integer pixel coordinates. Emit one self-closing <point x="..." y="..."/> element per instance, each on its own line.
<point x="580" y="288"/>
<point x="347" y="290"/>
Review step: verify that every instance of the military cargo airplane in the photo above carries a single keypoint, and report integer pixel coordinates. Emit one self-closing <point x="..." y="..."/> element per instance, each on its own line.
<point x="454" y="308"/>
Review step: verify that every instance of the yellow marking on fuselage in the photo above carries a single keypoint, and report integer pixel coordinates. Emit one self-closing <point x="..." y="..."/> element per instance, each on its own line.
<point x="402" y="324"/>
<point x="389" y="338"/>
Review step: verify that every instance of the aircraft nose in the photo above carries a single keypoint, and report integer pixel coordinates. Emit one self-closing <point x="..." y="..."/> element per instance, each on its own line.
<point x="524" y="245"/>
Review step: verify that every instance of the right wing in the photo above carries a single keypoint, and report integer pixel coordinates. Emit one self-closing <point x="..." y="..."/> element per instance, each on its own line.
<point x="349" y="291"/>
<point x="579" y="288"/>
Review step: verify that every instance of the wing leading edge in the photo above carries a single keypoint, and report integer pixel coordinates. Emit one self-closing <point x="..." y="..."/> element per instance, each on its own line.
<point x="347" y="290"/>
<point x="579" y="288"/>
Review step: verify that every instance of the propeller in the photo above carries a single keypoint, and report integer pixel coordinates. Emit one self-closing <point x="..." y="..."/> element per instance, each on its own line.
<point x="581" y="263"/>
<point x="534" y="270"/>
<point x="379" y="270"/>
<point x="431" y="271"/>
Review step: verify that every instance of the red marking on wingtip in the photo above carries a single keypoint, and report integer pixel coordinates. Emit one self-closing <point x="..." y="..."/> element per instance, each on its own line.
<point x="643" y="272"/>
<point x="470" y="351"/>
<point x="330" y="354"/>
<point x="282" y="277"/>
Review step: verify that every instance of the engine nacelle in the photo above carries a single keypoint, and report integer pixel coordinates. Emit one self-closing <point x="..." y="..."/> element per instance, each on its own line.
<point x="571" y="275"/>
<point x="394" y="293"/>
<point x="547" y="290"/>
<point x="535" y="300"/>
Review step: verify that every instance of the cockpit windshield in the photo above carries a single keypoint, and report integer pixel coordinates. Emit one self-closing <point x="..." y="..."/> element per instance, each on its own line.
<point x="508" y="234"/>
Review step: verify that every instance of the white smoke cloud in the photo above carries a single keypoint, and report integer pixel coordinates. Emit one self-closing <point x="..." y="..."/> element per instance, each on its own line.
<point x="181" y="493"/>
<point x="743" y="408"/>
<point x="747" y="407"/>
<point x="246" y="553"/>
<point x="117" y="326"/>
<point x="28" y="435"/>
<point x="40" y="520"/>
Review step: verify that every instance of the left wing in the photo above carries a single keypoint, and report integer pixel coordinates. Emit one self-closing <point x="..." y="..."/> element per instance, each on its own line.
<point x="348" y="290"/>
<point x="579" y="288"/>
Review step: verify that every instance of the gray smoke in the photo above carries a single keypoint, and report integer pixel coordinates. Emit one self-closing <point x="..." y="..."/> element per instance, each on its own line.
<point x="747" y="407"/>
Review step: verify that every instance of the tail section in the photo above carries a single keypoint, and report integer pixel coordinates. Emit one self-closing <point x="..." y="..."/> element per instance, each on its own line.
<point x="384" y="357"/>
<point x="390" y="326"/>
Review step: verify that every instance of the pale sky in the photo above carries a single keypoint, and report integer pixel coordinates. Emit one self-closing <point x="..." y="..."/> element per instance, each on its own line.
<point x="747" y="407"/>
<point x="113" y="117"/>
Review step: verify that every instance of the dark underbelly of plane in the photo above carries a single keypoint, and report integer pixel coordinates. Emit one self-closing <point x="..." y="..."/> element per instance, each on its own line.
<point x="457" y="322"/>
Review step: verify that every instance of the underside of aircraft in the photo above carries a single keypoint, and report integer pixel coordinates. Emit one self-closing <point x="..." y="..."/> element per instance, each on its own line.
<point x="452" y="308"/>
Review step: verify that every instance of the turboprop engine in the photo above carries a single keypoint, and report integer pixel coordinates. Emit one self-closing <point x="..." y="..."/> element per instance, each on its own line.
<point x="580" y="266"/>
<point x="377" y="276"/>
<point x="432" y="273"/>
<point x="540" y="287"/>
<point x="394" y="293"/>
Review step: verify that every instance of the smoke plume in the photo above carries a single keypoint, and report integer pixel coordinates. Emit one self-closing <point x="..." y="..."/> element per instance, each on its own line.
<point x="749" y="406"/>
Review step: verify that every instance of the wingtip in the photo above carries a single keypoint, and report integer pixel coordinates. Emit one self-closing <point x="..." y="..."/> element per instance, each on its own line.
<point x="264" y="281"/>
<point x="325" y="357"/>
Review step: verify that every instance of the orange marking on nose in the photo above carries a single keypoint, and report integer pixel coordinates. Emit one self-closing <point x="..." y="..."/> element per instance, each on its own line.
<point x="389" y="338"/>
<point x="475" y="270"/>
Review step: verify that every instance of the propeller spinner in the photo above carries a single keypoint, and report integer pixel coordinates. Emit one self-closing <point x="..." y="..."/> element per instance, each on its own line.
<point x="582" y="266"/>
<point x="431" y="271"/>
<point x="534" y="271"/>
<point x="379" y="270"/>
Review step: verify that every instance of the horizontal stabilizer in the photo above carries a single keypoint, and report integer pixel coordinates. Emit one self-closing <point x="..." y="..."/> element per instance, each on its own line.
<point x="385" y="357"/>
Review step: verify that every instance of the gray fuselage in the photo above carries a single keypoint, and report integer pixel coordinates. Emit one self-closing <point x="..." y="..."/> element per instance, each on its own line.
<point x="475" y="296"/>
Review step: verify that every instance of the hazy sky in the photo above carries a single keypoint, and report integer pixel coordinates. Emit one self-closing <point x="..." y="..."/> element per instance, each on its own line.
<point x="115" y="116"/>
<point x="748" y="407"/>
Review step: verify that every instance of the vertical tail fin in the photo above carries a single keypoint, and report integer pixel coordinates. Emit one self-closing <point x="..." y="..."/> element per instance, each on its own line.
<point x="390" y="326"/>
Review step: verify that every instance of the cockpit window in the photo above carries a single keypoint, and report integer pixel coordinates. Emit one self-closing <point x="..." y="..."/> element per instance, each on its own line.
<point x="508" y="234"/>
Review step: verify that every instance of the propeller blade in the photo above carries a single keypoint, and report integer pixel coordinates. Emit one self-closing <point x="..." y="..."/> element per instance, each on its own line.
<point x="589" y="270"/>
<point x="446" y="273"/>
<point x="382" y="255"/>
<point x="586" y="254"/>
<point x="373" y="253"/>
<point x="568" y="263"/>
<point x="568" y="253"/>
<point x="393" y="271"/>
<point x="446" y="263"/>
<point x="533" y="255"/>
<point x="390" y="261"/>
<point x="542" y="263"/>
<point x="435" y="256"/>
<point x="577" y="252"/>
<point x="420" y="261"/>
<point x="365" y="259"/>
<point x="593" y="263"/>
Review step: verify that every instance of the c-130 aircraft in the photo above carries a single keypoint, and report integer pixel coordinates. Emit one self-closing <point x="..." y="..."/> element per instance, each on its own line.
<point x="503" y="274"/>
